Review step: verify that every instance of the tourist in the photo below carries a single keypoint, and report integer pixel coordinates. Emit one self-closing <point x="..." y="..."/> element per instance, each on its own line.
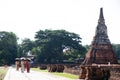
<point x="17" y="63"/>
<point x="28" y="65"/>
<point x="25" y="60"/>
<point x="22" y="65"/>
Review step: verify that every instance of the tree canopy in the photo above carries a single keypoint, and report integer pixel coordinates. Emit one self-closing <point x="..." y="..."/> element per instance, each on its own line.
<point x="52" y="43"/>
<point x="8" y="47"/>
<point x="25" y="47"/>
<point x="116" y="48"/>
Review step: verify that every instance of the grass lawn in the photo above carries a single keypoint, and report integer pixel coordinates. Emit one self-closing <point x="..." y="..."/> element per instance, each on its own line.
<point x="3" y="72"/>
<point x="67" y="75"/>
<point x="37" y="69"/>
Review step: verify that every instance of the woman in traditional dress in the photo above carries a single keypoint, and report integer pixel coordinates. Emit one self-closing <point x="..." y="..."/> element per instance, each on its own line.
<point x="28" y="65"/>
<point x="22" y="65"/>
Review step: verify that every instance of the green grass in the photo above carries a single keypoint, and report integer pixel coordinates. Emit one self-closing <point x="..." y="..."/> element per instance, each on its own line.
<point x="37" y="69"/>
<point x="3" y="72"/>
<point x="67" y="75"/>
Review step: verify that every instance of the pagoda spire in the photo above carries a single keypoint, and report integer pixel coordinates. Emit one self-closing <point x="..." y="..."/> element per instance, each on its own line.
<point x="101" y="14"/>
<point x="101" y="36"/>
<point x="101" y="17"/>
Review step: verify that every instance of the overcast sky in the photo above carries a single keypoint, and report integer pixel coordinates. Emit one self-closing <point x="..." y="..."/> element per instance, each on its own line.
<point x="25" y="17"/>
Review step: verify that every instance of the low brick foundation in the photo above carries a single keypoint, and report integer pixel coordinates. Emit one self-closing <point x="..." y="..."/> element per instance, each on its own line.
<point x="73" y="70"/>
<point x="113" y="72"/>
<point x="56" y="68"/>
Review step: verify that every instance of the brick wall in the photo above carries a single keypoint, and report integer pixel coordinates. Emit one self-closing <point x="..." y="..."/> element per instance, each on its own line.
<point x="114" y="71"/>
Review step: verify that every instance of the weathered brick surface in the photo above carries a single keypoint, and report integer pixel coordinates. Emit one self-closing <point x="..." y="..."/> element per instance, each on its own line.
<point x="95" y="72"/>
<point x="55" y="68"/>
<point x="100" y="51"/>
<point x="72" y="70"/>
<point x="115" y="73"/>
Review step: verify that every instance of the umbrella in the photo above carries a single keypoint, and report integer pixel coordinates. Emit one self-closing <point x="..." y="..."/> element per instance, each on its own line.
<point x="17" y="59"/>
<point x="22" y="58"/>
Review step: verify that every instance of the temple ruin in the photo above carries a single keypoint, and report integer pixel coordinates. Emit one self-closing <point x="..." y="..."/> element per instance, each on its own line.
<point x="100" y="51"/>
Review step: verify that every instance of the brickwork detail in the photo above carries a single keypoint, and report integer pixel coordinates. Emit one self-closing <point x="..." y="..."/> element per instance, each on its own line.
<point x="100" y="51"/>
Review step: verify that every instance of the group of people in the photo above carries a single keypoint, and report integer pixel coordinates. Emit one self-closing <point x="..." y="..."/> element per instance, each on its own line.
<point x="24" y="63"/>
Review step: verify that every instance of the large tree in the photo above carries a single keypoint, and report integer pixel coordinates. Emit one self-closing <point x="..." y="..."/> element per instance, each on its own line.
<point x="8" y="47"/>
<point x="26" y="46"/>
<point x="52" y="43"/>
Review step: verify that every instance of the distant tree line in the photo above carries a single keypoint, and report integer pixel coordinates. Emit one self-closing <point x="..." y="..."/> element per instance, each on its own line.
<point x="49" y="46"/>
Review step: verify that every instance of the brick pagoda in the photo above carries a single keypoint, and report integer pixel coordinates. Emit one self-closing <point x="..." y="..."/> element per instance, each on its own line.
<point x="100" y="51"/>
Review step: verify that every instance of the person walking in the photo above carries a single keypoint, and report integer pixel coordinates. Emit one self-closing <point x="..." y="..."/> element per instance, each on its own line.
<point x="22" y="65"/>
<point x="25" y="64"/>
<point x="17" y="63"/>
<point x="28" y="65"/>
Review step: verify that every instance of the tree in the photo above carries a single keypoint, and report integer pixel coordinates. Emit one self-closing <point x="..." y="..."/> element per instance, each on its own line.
<point x="52" y="43"/>
<point x="8" y="47"/>
<point x="25" y="47"/>
<point x="116" y="48"/>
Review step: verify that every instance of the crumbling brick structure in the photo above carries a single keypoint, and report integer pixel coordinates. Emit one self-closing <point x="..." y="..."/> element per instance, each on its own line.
<point x="100" y="51"/>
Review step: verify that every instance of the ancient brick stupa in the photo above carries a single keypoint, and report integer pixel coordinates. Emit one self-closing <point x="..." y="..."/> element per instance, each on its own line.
<point x="100" y="51"/>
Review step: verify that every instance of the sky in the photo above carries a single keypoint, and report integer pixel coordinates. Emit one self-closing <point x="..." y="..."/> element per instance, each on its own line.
<point x="26" y="17"/>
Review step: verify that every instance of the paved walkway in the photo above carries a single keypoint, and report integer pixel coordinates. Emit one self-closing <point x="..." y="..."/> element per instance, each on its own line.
<point x="12" y="74"/>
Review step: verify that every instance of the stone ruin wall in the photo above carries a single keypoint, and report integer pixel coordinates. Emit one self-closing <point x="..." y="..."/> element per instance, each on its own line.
<point x="114" y="71"/>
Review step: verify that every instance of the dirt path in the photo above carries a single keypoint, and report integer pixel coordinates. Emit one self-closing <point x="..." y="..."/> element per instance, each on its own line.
<point x="12" y="74"/>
